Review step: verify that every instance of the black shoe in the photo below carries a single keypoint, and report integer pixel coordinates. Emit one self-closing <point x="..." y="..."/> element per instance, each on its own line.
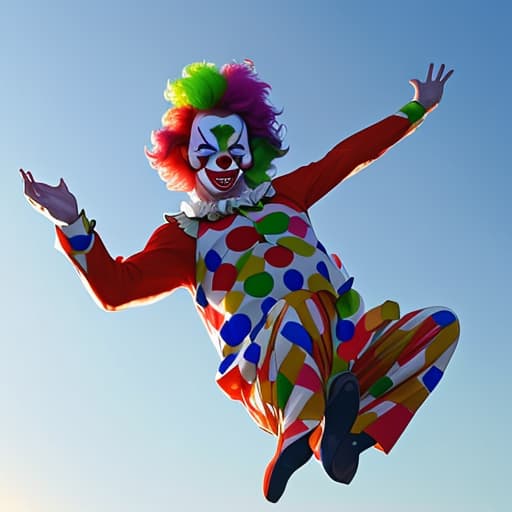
<point x="346" y="459"/>
<point x="290" y="459"/>
<point x="340" y="413"/>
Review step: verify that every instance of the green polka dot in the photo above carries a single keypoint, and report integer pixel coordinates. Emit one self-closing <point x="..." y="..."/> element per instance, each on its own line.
<point x="273" y="224"/>
<point x="259" y="285"/>
<point x="297" y="245"/>
<point x="380" y="387"/>
<point x="348" y="304"/>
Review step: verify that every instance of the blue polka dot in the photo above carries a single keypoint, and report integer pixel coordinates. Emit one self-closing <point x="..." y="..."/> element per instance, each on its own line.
<point x="252" y="353"/>
<point x="201" y="297"/>
<point x="296" y="333"/>
<point x="226" y="363"/>
<point x="444" y="318"/>
<point x="322" y="270"/>
<point x="267" y="304"/>
<point x="432" y="378"/>
<point x="212" y="260"/>
<point x="236" y="329"/>
<point x="80" y="242"/>
<point x="320" y="246"/>
<point x="345" y="287"/>
<point x="344" y="330"/>
<point x="293" y="279"/>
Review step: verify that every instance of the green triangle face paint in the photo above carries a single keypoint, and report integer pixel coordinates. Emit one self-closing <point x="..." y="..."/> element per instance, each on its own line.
<point x="222" y="133"/>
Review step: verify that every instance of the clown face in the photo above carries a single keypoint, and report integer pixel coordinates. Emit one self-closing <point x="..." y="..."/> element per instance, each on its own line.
<point x="219" y="152"/>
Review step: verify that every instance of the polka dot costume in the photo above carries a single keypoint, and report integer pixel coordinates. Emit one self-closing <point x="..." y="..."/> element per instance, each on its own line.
<point x="246" y="264"/>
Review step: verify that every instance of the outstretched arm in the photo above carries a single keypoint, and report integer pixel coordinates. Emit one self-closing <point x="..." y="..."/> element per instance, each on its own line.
<point x="310" y="183"/>
<point x="165" y="263"/>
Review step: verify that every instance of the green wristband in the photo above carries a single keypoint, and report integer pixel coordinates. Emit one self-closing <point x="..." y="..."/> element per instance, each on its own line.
<point x="414" y="111"/>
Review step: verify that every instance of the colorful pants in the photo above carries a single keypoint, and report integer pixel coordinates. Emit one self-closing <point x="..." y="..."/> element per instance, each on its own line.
<point x="398" y="362"/>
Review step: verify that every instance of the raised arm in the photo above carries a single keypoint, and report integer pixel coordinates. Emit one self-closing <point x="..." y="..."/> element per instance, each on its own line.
<point x="311" y="182"/>
<point x="165" y="263"/>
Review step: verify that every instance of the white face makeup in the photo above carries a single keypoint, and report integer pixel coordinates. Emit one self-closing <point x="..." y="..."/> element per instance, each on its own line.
<point x="219" y="152"/>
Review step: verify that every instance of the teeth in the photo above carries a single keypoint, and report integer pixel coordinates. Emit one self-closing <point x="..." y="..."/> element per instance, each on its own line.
<point x="222" y="180"/>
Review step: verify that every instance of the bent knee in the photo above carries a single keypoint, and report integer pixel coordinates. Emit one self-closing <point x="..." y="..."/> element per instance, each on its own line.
<point x="444" y="317"/>
<point x="447" y="320"/>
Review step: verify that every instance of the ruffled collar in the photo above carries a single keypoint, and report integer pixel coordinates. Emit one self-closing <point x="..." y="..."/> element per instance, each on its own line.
<point x="196" y="209"/>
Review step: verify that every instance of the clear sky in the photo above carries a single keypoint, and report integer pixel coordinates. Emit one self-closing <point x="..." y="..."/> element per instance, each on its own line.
<point x="100" y="412"/>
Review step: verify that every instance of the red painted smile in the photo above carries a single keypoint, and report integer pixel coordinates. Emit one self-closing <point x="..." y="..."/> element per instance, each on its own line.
<point x="222" y="180"/>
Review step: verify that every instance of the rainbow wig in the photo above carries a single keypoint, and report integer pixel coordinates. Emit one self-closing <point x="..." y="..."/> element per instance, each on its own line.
<point x="235" y="88"/>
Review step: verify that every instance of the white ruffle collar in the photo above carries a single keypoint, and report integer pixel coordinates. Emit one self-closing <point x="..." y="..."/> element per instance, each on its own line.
<point x="196" y="209"/>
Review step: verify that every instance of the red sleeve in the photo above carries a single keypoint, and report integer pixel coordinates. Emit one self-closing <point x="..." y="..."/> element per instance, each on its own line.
<point x="167" y="262"/>
<point x="309" y="183"/>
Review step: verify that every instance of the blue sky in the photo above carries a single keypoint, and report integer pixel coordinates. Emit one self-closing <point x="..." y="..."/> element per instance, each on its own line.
<point x="120" y="412"/>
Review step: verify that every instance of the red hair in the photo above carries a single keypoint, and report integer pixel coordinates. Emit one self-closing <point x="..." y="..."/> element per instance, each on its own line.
<point x="170" y="146"/>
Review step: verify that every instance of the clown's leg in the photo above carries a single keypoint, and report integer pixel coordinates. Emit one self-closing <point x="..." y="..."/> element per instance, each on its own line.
<point x="337" y="447"/>
<point x="300" y="409"/>
<point x="333" y="443"/>
<point x="292" y="381"/>
<point x="399" y="369"/>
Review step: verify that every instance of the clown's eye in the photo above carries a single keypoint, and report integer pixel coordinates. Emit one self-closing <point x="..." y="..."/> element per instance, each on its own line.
<point x="205" y="150"/>
<point x="237" y="150"/>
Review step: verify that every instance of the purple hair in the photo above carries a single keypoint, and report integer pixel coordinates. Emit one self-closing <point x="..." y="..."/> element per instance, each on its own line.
<point x="247" y="96"/>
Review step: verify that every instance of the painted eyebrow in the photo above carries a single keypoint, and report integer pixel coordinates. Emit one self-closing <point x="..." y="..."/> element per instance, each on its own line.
<point x="241" y="133"/>
<point x="205" y="146"/>
<point x="204" y="138"/>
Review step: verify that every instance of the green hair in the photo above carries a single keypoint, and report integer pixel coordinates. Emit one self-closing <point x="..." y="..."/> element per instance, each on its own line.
<point x="263" y="152"/>
<point x="201" y="86"/>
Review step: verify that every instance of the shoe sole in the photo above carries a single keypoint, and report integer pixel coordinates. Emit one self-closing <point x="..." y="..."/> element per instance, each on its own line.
<point x="341" y="412"/>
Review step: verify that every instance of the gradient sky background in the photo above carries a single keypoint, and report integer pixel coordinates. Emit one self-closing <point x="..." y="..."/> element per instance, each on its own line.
<point x="98" y="411"/>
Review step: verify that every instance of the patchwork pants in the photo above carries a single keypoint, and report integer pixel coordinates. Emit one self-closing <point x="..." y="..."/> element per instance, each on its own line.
<point x="398" y="362"/>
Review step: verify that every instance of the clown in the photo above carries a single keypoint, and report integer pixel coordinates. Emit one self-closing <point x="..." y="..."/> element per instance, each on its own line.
<point x="297" y="347"/>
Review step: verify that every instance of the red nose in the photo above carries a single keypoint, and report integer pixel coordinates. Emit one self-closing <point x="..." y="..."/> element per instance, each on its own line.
<point x="223" y="161"/>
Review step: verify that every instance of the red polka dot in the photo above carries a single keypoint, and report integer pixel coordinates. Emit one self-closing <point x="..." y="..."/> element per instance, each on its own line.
<point x="224" y="277"/>
<point x="243" y="238"/>
<point x="336" y="259"/>
<point x="278" y="256"/>
<point x="218" y="225"/>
